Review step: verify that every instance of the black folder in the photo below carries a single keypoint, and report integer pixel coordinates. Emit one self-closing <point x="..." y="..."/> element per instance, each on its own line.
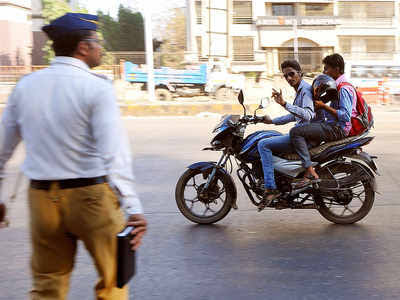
<point x="126" y="257"/>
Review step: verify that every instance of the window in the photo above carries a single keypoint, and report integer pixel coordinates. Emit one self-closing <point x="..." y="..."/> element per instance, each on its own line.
<point x="243" y="48"/>
<point x="198" y="12"/>
<point x="198" y="42"/>
<point x="357" y="10"/>
<point x="316" y="9"/>
<point x="242" y="12"/>
<point x="283" y="10"/>
<point x="380" y="45"/>
<point x="345" y="44"/>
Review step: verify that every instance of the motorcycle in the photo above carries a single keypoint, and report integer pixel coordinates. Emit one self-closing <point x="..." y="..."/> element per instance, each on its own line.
<point x="205" y="193"/>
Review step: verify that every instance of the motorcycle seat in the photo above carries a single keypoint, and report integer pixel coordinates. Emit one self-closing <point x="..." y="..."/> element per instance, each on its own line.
<point x="319" y="149"/>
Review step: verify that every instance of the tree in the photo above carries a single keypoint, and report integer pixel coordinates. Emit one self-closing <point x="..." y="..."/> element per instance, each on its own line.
<point x="110" y="31"/>
<point x="124" y="34"/>
<point x="174" y="44"/>
<point x="131" y="27"/>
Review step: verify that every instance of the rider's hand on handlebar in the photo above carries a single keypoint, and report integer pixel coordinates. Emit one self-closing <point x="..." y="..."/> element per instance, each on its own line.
<point x="266" y="119"/>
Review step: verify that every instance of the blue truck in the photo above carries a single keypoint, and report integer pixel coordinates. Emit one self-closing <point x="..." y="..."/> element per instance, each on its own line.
<point x="203" y="79"/>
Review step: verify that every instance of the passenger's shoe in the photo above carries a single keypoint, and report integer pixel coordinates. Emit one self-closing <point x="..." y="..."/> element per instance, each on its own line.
<point x="282" y="204"/>
<point x="305" y="181"/>
<point x="268" y="197"/>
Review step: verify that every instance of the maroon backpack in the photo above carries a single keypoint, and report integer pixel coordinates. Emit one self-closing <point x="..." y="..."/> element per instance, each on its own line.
<point x="364" y="119"/>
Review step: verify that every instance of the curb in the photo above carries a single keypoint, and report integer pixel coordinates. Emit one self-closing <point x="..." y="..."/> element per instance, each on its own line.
<point x="178" y="109"/>
<point x="194" y="109"/>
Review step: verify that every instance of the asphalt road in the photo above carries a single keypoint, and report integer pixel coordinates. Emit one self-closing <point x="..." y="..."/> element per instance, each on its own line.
<point x="248" y="255"/>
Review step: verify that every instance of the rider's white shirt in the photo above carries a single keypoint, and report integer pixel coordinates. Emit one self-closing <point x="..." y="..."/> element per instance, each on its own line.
<point x="70" y="123"/>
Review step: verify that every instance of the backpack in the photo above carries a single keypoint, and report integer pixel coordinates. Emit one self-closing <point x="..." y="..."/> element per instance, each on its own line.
<point x="364" y="119"/>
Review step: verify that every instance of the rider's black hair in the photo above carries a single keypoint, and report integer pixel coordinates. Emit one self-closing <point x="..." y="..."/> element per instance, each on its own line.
<point x="334" y="61"/>
<point x="291" y="63"/>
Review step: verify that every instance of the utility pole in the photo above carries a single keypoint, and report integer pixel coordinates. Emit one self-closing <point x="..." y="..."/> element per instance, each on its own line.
<point x="295" y="40"/>
<point x="74" y="4"/>
<point x="191" y="43"/>
<point x="149" y="49"/>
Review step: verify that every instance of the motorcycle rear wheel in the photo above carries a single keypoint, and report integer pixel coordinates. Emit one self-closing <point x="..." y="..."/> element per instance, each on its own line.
<point x="340" y="207"/>
<point x="190" y="197"/>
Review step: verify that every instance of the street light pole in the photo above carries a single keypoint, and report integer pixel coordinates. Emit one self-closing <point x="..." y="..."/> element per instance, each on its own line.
<point x="74" y="4"/>
<point x="295" y="40"/>
<point x="149" y="50"/>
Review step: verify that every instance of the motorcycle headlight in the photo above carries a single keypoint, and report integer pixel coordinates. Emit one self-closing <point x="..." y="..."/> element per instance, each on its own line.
<point x="217" y="130"/>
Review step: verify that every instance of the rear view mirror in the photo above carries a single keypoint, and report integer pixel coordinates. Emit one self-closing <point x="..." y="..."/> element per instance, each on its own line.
<point x="241" y="97"/>
<point x="264" y="102"/>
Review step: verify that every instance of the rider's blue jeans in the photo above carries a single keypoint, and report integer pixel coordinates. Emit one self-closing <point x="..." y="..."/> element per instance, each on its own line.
<point x="276" y="144"/>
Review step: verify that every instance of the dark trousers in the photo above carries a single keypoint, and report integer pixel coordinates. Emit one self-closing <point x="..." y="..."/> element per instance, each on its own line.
<point x="313" y="134"/>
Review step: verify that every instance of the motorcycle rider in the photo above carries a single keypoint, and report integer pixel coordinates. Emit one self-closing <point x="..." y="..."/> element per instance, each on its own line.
<point x="333" y="122"/>
<point x="301" y="112"/>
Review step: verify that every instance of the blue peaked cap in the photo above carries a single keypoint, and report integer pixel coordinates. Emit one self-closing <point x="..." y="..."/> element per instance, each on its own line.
<point x="70" y="22"/>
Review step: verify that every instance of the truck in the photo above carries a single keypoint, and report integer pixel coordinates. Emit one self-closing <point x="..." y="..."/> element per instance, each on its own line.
<point x="195" y="80"/>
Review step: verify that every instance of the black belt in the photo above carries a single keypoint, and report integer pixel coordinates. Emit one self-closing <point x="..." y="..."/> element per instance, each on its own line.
<point x="67" y="183"/>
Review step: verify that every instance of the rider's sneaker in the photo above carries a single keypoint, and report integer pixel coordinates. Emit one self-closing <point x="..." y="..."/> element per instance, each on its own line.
<point x="268" y="197"/>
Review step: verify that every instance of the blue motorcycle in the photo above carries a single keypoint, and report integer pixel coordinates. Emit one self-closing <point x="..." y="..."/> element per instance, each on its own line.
<point x="206" y="192"/>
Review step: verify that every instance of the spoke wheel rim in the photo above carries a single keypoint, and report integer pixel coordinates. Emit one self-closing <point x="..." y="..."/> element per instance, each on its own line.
<point x="339" y="205"/>
<point x="200" y="206"/>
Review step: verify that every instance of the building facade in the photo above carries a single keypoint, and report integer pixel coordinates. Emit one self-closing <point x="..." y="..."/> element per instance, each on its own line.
<point x="39" y="37"/>
<point x="257" y="35"/>
<point x="15" y="32"/>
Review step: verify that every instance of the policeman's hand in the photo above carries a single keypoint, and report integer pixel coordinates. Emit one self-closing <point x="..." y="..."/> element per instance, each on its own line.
<point x="139" y="222"/>
<point x="3" y="219"/>
<point x="318" y="104"/>
<point x="277" y="96"/>
<point x="266" y="119"/>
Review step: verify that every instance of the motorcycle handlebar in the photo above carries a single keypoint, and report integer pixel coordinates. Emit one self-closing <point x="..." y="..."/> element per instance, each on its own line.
<point x="251" y="119"/>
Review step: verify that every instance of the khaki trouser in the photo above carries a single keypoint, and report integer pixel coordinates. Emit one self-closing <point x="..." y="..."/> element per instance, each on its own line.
<point x="60" y="217"/>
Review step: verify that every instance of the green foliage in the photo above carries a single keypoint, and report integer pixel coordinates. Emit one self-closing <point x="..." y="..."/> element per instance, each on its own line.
<point x="110" y="30"/>
<point x="124" y="34"/>
<point x="108" y="59"/>
<point x="52" y="9"/>
<point x="251" y="74"/>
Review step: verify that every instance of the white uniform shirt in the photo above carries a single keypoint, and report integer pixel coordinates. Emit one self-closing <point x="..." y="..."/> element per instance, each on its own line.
<point x="70" y="123"/>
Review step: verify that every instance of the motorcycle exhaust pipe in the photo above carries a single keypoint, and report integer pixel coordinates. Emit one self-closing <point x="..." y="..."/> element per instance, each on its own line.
<point x="308" y="206"/>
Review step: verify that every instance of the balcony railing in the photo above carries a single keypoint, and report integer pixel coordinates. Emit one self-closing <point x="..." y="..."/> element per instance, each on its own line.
<point x="243" y="20"/>
<point x="301" y="21"/>
<point x="357" y="56"/>
<point x="366" y="22"/>
<point x="243" y="56"/>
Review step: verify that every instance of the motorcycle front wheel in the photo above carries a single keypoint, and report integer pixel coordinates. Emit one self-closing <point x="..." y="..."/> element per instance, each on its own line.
<point x="346" y="192"/>
<point x="200" y="205"/>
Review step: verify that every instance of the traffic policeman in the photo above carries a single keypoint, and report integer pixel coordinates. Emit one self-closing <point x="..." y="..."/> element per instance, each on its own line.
<point x="77" y="159"/>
